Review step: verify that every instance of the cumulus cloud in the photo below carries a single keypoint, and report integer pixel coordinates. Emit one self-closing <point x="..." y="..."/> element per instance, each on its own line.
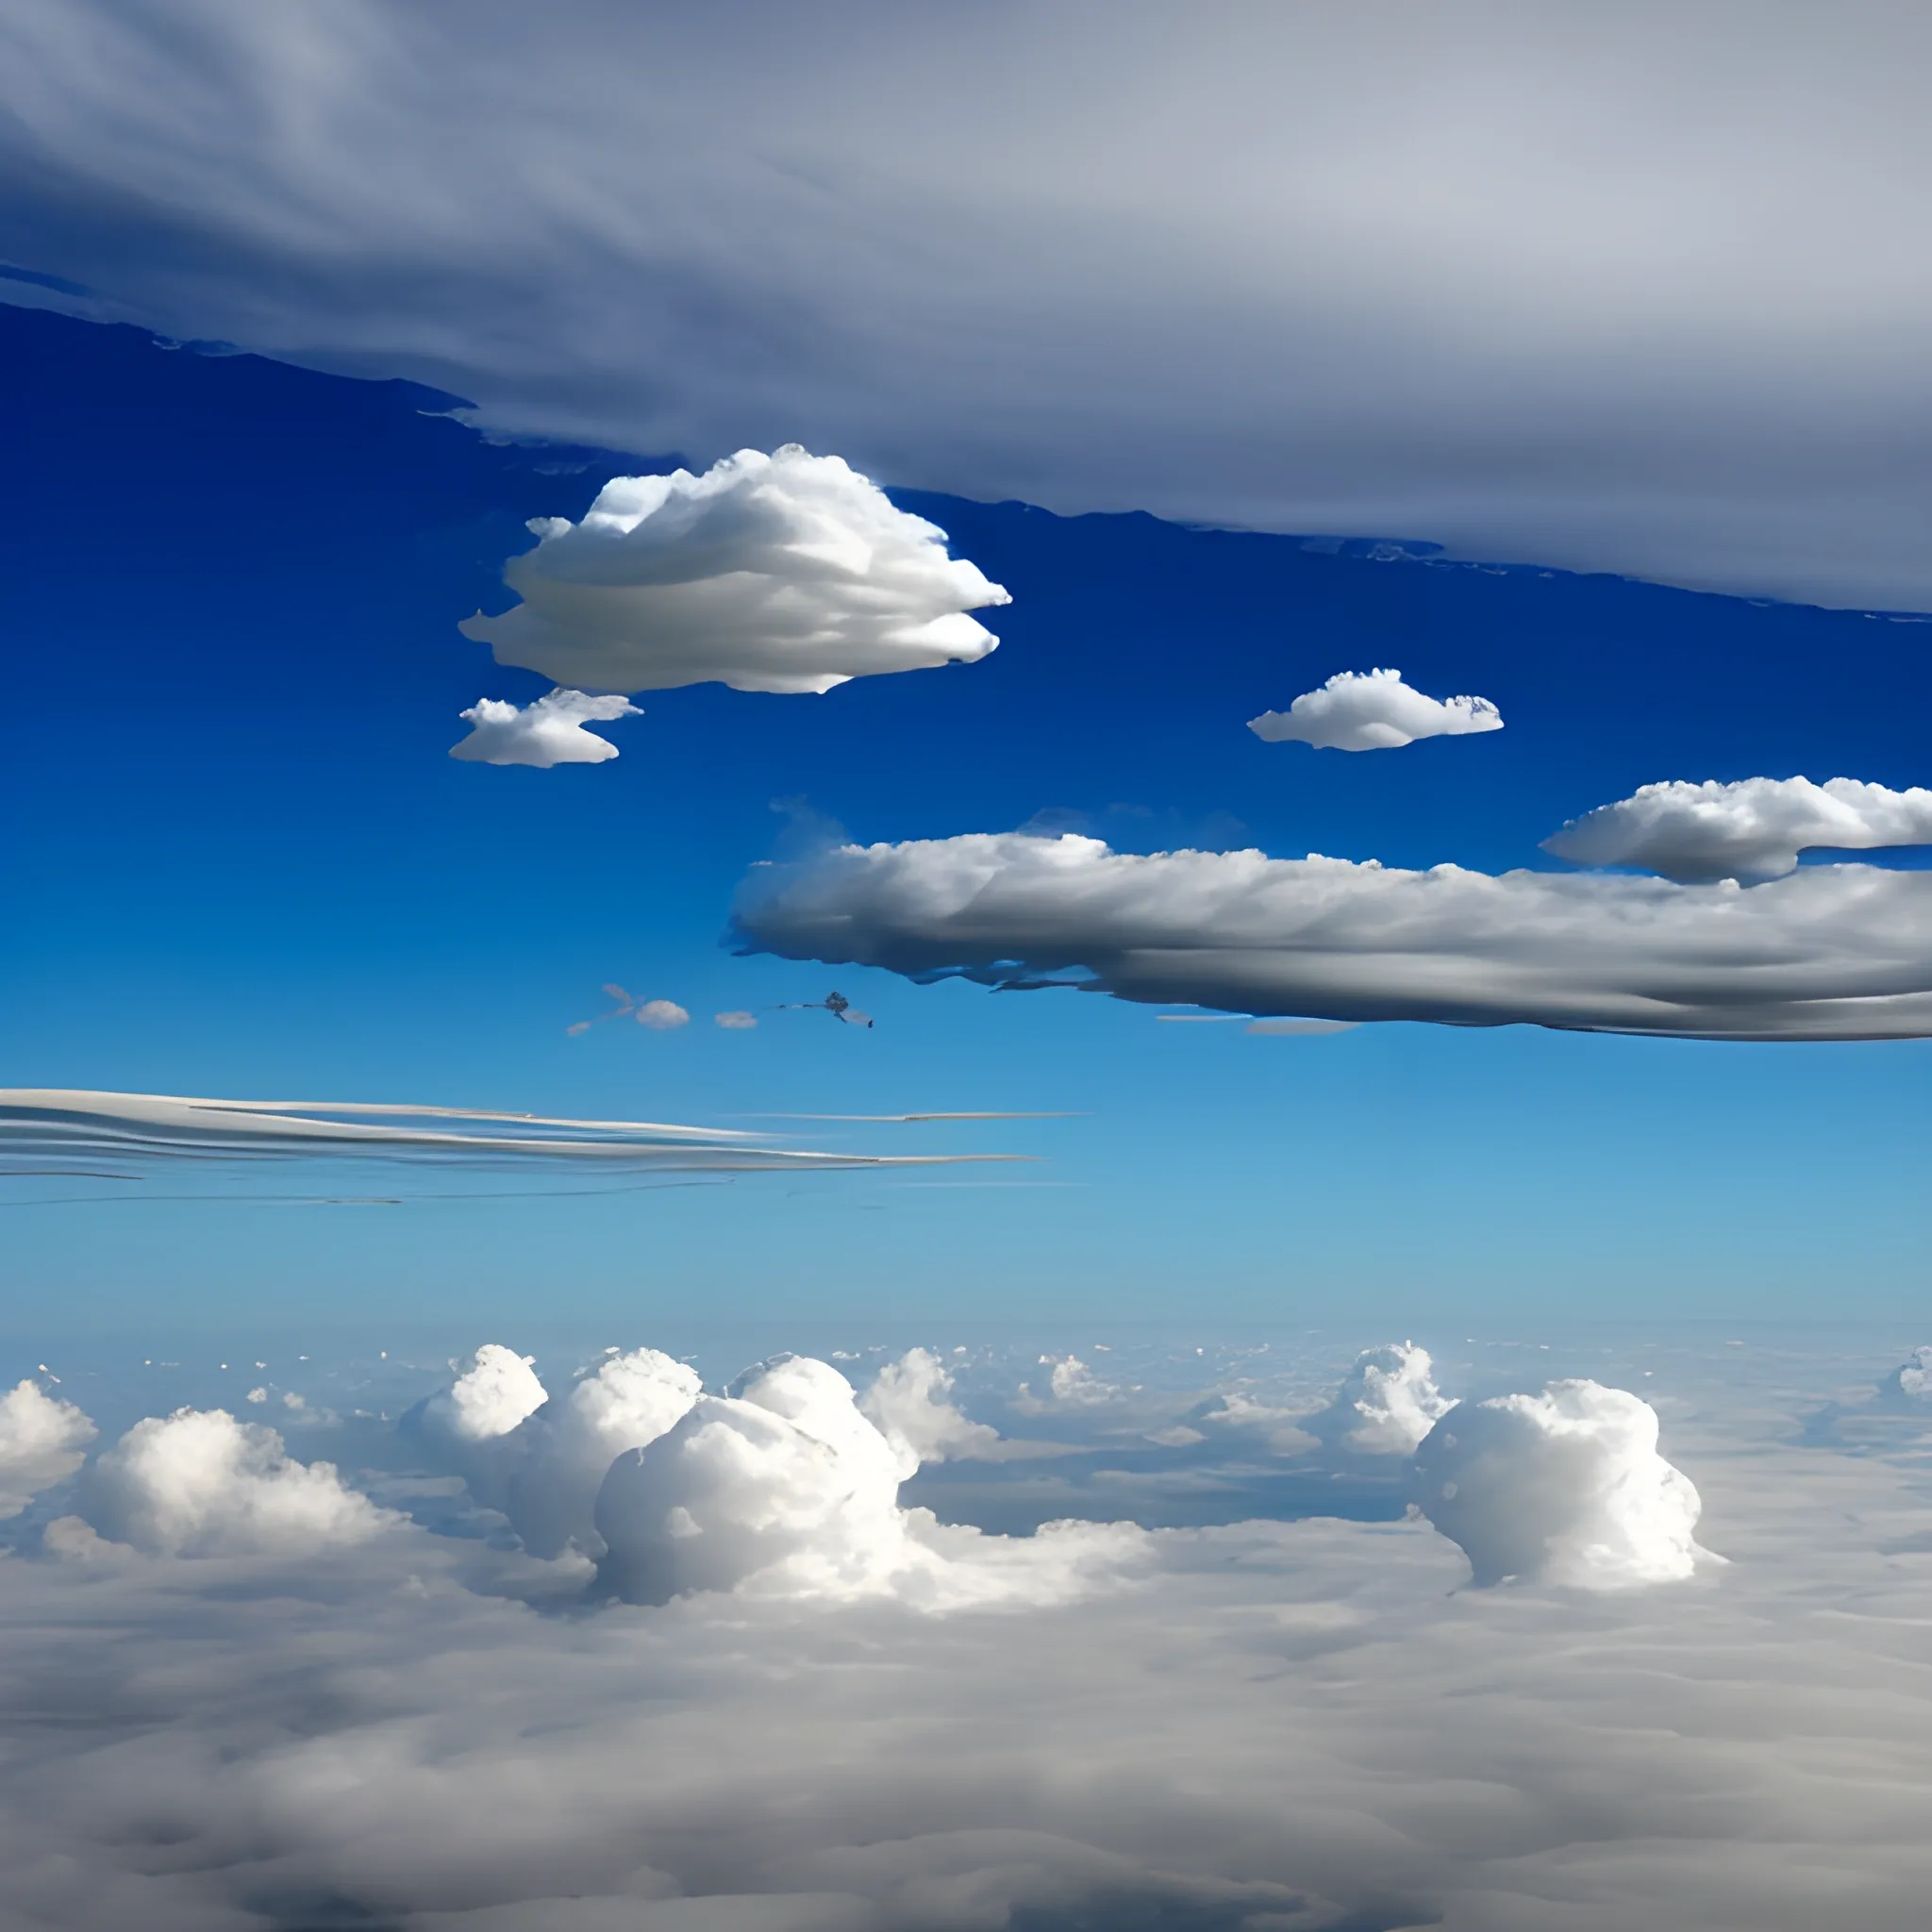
<point x="736" y="1021"/>
<point x="548" y="732"/>
<point x="1387" y="1404"/>
<point x="781" y="572"/>
<point x="1839" y="952"/>
<point x="1751" y="829"/>
<point x="910" y="1404"/>
<point x="1566" y="1487"/>
<point x="198" y="1483"/>
<point x="1372" y="710"/>
<point x="1909" y="1385"/>
<point x="489" y="1399"/>
<point x="42" y="1441"/>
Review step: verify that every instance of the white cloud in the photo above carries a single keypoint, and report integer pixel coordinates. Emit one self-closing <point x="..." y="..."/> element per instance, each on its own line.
<point x="1909" y="1385"/>
<point x="198" y="1483"/>
<point x="662" y="1016"/>
<point x="1387" y="1404"/>
<point x="489" y="1399"/>
<point x="42" y="1441"/>
<point x="910" y="1404"/>
<point x="736" y="1021"/>
<point x="1566" y="1487"/>
<point x="1837" y="952"/>
<point x="781" y="572"/>
<point x="548" y="732"/>
<point x="1372" y="710"/>
<point x="1751" y="829"/>
<point x="1544" y="284"/>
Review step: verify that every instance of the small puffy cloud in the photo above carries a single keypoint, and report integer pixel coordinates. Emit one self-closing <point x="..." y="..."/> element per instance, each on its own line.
<point x="1909" y="1385"/>
<point x="1829" y="953"/>
<point x="42" y="1441"/>
<point x="198" y="1483"/>
<point x="1387" y="1404"/>
<point x="662" y="1016"/>
<point x="910" y="1405"/>
<point x="548" y="732"/>
<point x="558" y="1455"/>
<point x="737" y="1020"/>
<point x="1566" y="1487"/>
<point x="1372" y="710"/>
<point x="1751" y="829"/>
<point x="781" y="572"/>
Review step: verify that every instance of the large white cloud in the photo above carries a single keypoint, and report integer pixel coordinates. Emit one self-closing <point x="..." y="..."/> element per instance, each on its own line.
<point x="198" y="1483"/>
<point x="1372" y="710"/>
<point x="548" y="732"/>
<point x="1751" y="829"/>
<point x="42" y="1441"/>
<point x="1566" y="1487"/>
<point x="1387" y="1404"/>
<point x="781" y="572"/>
<point x="1569" y="286"/>
<point x="1837" y="952"/>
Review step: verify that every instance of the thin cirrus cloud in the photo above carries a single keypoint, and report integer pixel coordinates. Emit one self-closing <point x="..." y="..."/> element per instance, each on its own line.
<point x="1753" y="829"/>
<point x="1611" y="288"/>
<point x="782" y="572"/>
<point x="1373" y="711"/>
<point x="1829" y="953"/>
<point x="548" y="731"/>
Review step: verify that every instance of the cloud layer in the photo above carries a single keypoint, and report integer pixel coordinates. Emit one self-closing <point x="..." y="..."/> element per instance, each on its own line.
<point x="1566" y="1487"/>
<point x="1841" y="952"/>
<point x="1534" y="284"/>
<point x="548" y="732"/>
<point x="1372" y="710"/>
<point x="1749" y="830"/>
<point x="781" y="572"/>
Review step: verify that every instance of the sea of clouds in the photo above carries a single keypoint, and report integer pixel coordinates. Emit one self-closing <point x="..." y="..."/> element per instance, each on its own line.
<point x="1259" y="1634"/>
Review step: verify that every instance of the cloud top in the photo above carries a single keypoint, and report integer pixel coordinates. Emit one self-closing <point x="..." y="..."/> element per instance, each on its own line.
<point x="781" y="572"/>
<point x="1751" y="829"/>
<point x="548" y="732"/>
<point x="42" y="1441"/>
<point x="1566" y="1487"/>
<point x="1841" y="952"/>
<point x="1387" y="1404"/>
<point x="1372" y="710"/>
<point x="910" y="1404"/>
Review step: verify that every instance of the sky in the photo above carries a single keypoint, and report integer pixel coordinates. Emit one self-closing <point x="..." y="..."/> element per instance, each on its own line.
<point x="963" y="971"/>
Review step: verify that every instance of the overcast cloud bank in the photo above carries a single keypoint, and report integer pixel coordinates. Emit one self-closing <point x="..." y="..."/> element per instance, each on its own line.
<point x="1372" y="710"/>
<point x="781" y="572"/>
<point x="1830" y="953"/>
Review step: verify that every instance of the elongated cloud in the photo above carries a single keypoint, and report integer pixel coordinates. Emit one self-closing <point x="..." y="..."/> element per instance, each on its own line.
<point x="145" y="1136"/>
<point x="1753" y="829"/>
<point x="782" y="572"/>
<point x="547" y="732"/>
<point x="1372" y="710"/>
<point x="1566" y="1487"/>
<point x="1830" y="953"/>
<point x="42" y="1441"/>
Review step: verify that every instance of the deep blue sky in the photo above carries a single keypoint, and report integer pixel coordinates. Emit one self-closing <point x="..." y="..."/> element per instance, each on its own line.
<point x="239" y="862"/>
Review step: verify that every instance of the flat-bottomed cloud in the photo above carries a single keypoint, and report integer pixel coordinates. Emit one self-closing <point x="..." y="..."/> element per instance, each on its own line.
<point x="1372" y="710"/>
<point x="548" y="732"/>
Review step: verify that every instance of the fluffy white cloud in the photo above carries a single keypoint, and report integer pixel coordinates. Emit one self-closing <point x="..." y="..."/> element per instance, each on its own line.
<point x="1909" y="1385"/>
<point x="1372" y="710"/>
<point x="42" y="1441"/>
<point x="1566" y="1487"/>
<point x="1387" y="1404"/>
<point x="198" y="1483"/>
<point x="489" y="1399"/>
<point x="1837" y="952"/>
<point x="1751" y="829"/>
<point x="781" y="572"/>
<point x="910" y="1404"/>
<point x="547" y="732"/>
<point x="662" y="1016"/>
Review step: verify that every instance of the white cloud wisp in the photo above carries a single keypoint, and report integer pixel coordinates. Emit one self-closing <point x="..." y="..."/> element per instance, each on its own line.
<point x="1372" y="710"/>
<point x="781" y="572"/>
<point x="548" y="732"/>
<point x="1830" y="953"/>
<point x="1749" y="830"/>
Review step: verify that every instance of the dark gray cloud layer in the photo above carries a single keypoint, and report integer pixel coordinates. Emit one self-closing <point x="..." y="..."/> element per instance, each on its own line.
<point x="1628" y="289"/>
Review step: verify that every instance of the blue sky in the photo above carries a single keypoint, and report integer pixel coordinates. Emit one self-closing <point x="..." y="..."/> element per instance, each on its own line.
<point x="250" y="870"/>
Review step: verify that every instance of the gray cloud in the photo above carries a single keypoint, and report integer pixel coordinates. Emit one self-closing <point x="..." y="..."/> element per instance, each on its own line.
<point x="1612" y="290"/>
<point x="1830" y="953"/>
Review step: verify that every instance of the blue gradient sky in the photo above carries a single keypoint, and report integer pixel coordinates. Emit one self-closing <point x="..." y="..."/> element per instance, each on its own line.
<point x="241" y="864"/>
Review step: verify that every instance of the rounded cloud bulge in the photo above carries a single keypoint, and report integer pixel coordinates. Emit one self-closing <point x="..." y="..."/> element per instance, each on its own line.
<point x="549" y="731"/>
<point x="781" y="572"/>
<point x="1372" y="710"/>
